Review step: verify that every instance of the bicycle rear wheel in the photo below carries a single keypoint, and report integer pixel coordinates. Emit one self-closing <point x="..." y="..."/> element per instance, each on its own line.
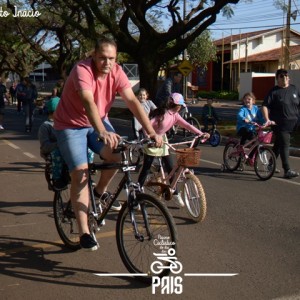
<point x="194" y="197"/>
<point x="265" y="163"/>
<point x="194" y="122"/>
<point x="231" y="158"/>
<point x="65" y="220"/>
<point x="155" y="233"/>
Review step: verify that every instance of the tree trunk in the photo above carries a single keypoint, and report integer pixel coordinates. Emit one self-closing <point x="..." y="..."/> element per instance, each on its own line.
<point x="148" y="72"/>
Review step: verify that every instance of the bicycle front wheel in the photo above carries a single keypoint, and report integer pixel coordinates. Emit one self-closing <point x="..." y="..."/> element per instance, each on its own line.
<point x="231" y="158"/>
<point x="143" y="232"/>
<point x="65" y="220"/>
<point x="265" y="163"/>
<point x="215" y="138"/>
<point x="194" y="197"/>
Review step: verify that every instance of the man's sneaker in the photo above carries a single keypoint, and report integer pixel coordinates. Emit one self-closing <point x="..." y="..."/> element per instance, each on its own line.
<point x="88" y="243"/>
<point x="290" y="174"/>
<point x="178" y="200"/>
<point x="1" y="127"/>
<point x="104" y="197"/>
<point x="277" y="171"/>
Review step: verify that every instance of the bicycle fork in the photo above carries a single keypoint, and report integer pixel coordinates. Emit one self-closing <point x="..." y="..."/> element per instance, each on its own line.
<point x="133" y="206"/>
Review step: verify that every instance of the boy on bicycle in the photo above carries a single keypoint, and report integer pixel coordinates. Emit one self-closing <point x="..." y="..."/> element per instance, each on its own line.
<point x="209" y="114"/>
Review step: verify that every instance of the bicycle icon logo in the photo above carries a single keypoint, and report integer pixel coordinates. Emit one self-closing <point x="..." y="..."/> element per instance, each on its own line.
<point x="159" y="265"/>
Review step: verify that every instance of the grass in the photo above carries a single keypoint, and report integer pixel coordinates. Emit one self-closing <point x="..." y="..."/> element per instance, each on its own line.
<point x="226" y="128"/>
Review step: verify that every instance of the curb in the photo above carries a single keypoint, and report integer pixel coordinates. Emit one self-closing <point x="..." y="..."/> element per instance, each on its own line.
<point x="293" y="151"/>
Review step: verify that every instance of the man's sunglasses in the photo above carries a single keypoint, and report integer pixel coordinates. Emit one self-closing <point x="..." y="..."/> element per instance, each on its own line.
<point x="283" y="75"/>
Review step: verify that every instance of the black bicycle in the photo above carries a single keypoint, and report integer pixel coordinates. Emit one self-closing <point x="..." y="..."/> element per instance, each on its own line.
<point x="143" y="225"/>
<point x="215" y="136"/>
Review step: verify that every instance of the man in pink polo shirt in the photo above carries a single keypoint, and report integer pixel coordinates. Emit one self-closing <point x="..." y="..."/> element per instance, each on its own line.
<point x="81" y="117"/>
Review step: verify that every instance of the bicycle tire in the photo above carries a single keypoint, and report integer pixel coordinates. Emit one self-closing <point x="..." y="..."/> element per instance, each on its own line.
<point x="136" y="155"/>
<point x="264" y="163"/>
<point x="138" y="254"/>
<point x="215" y="138"/>
<point x="231" y="162"/>
<point x="194" y="197"/>
<point x="65" y="220"/>
<point x="194" y="122"/>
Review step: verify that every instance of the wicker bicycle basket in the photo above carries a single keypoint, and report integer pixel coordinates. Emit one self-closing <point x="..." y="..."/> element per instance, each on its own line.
<point x="189" y="157"/>
<point x="265" y="136"/>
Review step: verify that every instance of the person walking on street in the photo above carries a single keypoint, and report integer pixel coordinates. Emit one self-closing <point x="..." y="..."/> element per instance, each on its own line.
<point x="28" y="103"/>
<point x="12" y="93"/>
<point x="3" y="92"/>
<point x="20" y="94"/>
<point x="82" y="117"/>
<point x="281" y="105"/>
<point x="170" y="85"/>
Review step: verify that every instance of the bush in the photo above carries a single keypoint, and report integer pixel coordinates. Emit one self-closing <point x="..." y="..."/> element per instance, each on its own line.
<point x="226" y="95"/>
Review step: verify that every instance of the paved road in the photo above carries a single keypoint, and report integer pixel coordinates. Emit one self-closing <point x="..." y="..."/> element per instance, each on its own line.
<point x="252" y="230"/>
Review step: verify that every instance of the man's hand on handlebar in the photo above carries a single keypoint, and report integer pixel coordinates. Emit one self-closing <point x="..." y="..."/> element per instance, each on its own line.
<point x="111" y="139"/>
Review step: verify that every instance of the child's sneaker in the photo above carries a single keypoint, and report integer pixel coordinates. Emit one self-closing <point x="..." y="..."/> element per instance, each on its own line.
<point x="178" y="200"/>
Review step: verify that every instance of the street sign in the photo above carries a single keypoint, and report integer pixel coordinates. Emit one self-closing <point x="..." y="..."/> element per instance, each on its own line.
<point x="185" y="67"/>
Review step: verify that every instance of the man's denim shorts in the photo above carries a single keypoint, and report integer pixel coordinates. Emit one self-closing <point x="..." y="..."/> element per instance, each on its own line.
<point x="73" y="144"/>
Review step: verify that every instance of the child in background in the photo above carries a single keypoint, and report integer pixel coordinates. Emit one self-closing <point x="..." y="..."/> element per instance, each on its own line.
<point x="148" y="106"/>
<point x="48" y="146"/>
<point x="163" y="118"/>
<point x="209" y="115"/>
<point x="248" y="114"/>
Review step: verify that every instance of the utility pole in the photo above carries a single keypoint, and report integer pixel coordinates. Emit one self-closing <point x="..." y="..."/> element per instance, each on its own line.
<point x="287" y="38"/>
<point x="184" y="56"/>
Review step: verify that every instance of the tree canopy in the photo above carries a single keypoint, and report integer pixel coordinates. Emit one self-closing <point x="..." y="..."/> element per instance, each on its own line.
<point x="151" y="32"/>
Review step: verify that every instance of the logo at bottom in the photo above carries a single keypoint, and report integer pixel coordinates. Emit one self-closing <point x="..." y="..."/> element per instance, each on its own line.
<point x="167" y="284"/>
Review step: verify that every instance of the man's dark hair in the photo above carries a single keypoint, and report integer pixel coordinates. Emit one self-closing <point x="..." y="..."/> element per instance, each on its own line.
<point x="281" y="71"/>
<point x="104" y="40"/>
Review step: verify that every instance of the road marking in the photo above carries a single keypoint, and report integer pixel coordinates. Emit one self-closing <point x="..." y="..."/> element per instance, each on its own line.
<point x="17" y="147"/>
<point x="211" y="274"/>
<point x="120" y="274"/>
<point x="11" y="144"/>
<point x="29" y="154"/>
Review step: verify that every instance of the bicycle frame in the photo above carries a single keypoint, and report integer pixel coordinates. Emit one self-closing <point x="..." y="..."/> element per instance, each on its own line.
<point x="126" y="182"/>
<point x="250" y="146"/>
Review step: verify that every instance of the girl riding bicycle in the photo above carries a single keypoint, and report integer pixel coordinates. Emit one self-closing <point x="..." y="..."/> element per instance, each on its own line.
<point x="162" y="119"/>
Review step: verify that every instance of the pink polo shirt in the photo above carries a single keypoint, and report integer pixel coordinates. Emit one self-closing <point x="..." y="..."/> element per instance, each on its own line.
<point x="70" y="112"/>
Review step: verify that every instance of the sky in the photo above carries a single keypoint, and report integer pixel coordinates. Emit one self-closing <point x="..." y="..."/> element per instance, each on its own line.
<point x="254" y="16"/>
